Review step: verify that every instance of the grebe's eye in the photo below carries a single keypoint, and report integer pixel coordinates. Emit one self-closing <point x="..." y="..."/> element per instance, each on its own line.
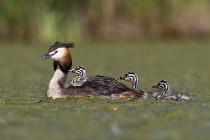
<point x="53" y="53"/>
<point x="159" y="84"/>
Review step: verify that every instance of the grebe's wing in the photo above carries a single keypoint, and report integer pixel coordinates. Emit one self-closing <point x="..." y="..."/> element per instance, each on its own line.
<point x="105" y="85"/>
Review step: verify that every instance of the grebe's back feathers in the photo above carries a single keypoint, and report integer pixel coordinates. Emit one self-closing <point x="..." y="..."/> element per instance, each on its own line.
<point x="102" y="83"/>
<point x="101" y="90"/>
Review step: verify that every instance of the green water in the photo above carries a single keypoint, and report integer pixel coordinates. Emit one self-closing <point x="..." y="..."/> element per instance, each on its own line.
<point x="25" y="113"/>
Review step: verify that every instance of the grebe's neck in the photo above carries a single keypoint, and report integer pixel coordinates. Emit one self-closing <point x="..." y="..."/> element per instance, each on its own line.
<point x="135" y="83"/>
<point x="131" y="76"/>
<point x="167" y="89"/>
<point x="56" y="85"/>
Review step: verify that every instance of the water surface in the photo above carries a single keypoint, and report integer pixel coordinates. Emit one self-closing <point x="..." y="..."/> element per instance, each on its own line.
<point x="25" y="112"/>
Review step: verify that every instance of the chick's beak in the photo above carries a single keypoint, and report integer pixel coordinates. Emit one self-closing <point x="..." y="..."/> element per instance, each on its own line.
<point x="72" y="70"/>
<point x="45" y="56"/>
<point x="121" y="77"/>
<point x="155" y="86"/>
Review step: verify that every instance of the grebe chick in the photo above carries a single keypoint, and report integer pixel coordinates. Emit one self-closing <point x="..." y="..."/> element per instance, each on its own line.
<point x="133" y="78"/>
<point x="166" y="92"/>
<point x="101" y="86"/>
<point x="81" y="76"/>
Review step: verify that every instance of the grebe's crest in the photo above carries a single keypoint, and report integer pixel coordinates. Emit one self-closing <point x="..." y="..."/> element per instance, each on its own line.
<point x="61" y="45"/>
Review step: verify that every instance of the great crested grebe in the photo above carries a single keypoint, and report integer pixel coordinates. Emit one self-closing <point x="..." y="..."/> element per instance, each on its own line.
<point x="133" y="78"/>
<point x="81" y="76"/>
<point x="168" y="94"/>
<point x="101" y="86"/>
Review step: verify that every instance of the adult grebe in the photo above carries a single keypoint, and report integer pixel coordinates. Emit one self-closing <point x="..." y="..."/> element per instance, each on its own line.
<point x="101" y="86"/>
<point x="168" y="94"/>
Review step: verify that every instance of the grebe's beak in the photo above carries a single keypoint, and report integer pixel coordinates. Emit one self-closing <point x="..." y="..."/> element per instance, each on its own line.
<point x="121" y="77"/>
<point x="155" y="86"/>
<point x="45" y="56"/>
<point x="72" y="70"/>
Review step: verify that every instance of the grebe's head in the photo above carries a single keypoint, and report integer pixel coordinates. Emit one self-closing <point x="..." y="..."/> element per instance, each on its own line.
<point x="164" y="86"/>
<point x="57" y="51"/>
<point x="129" y="76"/>
<point x="60" y="54"/>
<point x="77" y="69"/>
<point x="80" y="70"/>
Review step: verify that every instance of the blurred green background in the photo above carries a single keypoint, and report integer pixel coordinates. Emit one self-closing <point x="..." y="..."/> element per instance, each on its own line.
<point x="158" y="39"/>
<point x="78" y="20"/>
